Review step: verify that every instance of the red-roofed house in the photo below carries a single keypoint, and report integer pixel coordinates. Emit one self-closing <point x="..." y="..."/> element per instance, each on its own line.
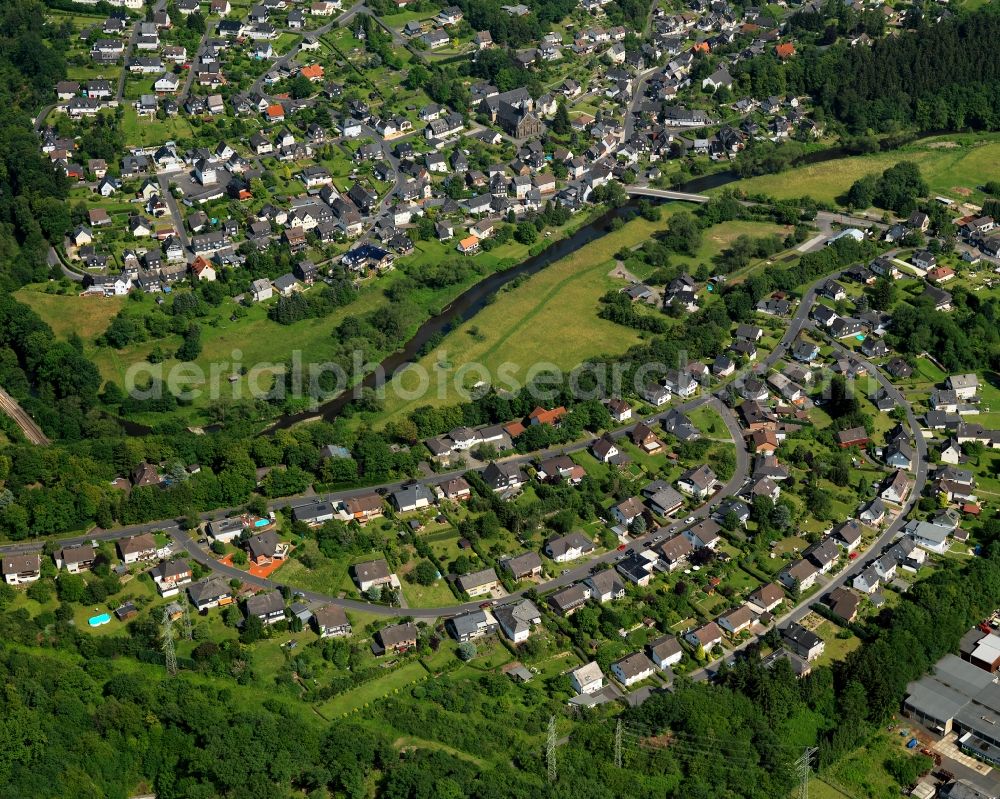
<point x="542" y="416"/>
<point x="275" y="113"/>
<point x="313" y="71"/>
<point x="514" y="429"/>
<point x="785" y="50"/>
<point x="940" y="274"/>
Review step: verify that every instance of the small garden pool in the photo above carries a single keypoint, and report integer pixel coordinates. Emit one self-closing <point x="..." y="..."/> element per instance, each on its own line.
<point x="97" y="621"/>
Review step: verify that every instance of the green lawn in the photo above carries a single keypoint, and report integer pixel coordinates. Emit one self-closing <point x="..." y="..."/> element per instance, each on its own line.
<point x="836" y="648"/>
<point x="88" y="317"/>
<point x="145" y="131"/>
<point x="953" y="165"/>
<point x="708" y="420"/>
<point x="329" y="576"/>
<point x="435" y="595"/>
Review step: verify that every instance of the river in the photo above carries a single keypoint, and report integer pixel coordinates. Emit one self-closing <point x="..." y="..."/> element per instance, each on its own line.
<point x="475" y="298"/>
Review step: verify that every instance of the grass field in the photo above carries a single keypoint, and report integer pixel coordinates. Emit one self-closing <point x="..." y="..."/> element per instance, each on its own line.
<point x="142" y="132"/>
<point x="719" y="237"/>
<point x="953" y="165"/>
<point x="708" y="420"/>
<point x="863" y="773"/>
<point x="435" y="595"/>
<point x="364" y="695"/>
<point x="551" y="318"/>
<point x="88" y="317"/>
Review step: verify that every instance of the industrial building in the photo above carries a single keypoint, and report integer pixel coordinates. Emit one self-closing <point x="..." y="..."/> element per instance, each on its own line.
<point x="961" y="698"/>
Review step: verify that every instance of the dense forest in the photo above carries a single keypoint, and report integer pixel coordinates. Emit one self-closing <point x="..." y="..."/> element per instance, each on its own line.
<point x="32" y="191"/>
<point x="942" y="76"/>
<point x="81" y="718"/>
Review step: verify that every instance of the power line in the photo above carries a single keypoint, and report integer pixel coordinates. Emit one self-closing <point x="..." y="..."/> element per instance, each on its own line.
<point x="618" y="743"/>
<point x="804" y="767"/>
<point x="188" y="635"/>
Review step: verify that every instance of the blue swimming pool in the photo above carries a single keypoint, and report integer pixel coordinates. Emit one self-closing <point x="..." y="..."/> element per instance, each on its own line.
<point x="860" y="337"/>
<point x="261" y="523"/>
<point x="97" y="621"/>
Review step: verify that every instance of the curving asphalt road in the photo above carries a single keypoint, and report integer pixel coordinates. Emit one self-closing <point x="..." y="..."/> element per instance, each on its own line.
<point x="566" y="578"/>
<point x="798" y="322"/>
<point x="199" y="554"/>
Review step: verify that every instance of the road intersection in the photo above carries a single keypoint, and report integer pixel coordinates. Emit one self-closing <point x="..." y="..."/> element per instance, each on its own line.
<point x="799" y="322"/>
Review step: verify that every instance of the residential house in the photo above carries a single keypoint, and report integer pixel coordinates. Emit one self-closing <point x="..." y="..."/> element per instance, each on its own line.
<point x="664" y="500"/>
<point x="137" y="547"/>
<point x="704" y="535"/>
<point x="504" y="477"/>
<point x="697" y="482"/>
<point x="479" y="583"/>
<point x="395" y="638"/>
<point x="412" y="497"/>
<point x="567" y="601"/>
<point x="364" y="508"/>
<point x="867" y="582"/>
<point x="471" y="625"/>
<point x="628" y="511"/>
<point x="569" y="547"/>
<point x="896" y="488"/>
<point x="737" y="620"/>
<point x="170" y="575"/>
<point x="519" y="620"/>
<point x="707" y="636"/>
<point x="265" y="548"/>
<point x="823" y="554"/>
<point x="587" y="679"/>
<point x="331" y="621"/>
<point x="804" y="643"/>
<point x="766" y="598"/>
<point x="633" y="668"/>
<point x="847" y="535"/>
<point x="843" y="603"/>
<point x="605" y="450"/>
<point x="22" y="569"/>
<point x="75" y="559"/>
<point x="372" y="574"/>
<point x="527" y="565"/>
<point x="226" y="530"/>
<point x="665" y="651"/>
<point x="210" y="593"/>
<point x="605" y="585"/>
<point x="314" y="513"/>
<point x="268" y="607"/>
<point x="801" y="573"/>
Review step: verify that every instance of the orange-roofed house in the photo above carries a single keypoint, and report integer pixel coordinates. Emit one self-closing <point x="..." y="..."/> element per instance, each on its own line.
<point x="940" y="274"/>
<point x="469" y="245"/>
<point x="785" y="50"/>
<point x="313" y="71"/>
<point x="542" y="416"/>
<point x="275" y="113"/>
<point x="514" y="429"/>
<point x="701" y="47"/>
